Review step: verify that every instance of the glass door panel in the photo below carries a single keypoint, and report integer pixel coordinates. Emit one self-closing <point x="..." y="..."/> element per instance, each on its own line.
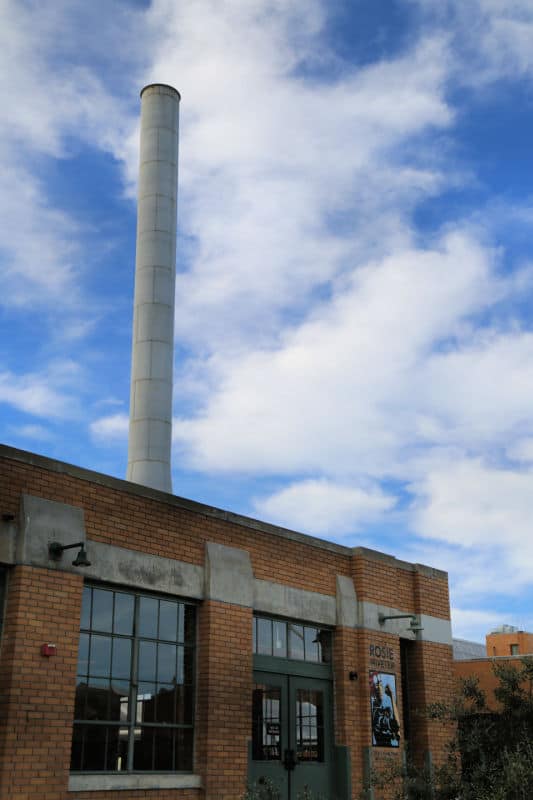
<point x="270" y="732"/>
<point x="311" y="737"/>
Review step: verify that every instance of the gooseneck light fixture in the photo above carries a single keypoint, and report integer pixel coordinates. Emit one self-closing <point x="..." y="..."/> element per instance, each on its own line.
<point x="55" y="552"/>
<point x="414" y="624"/>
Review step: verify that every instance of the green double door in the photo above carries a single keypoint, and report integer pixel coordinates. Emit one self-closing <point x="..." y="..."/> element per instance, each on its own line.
<point x="292" y="738"/>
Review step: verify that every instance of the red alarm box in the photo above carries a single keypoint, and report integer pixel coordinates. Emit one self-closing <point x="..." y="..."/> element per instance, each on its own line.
<point x="48" y="649"/>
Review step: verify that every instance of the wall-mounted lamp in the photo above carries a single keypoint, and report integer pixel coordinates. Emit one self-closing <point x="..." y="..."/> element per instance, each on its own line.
<point x="414" y="624"/>
<point x="55" y="552"/>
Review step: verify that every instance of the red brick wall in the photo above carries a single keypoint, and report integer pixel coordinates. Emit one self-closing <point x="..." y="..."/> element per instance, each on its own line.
<point x="431" y="681"/>
<point x="224" y="719"/>
<point x="139" y="523"/>
<point x="382" y="582"/>
<point x="37" y="693"/>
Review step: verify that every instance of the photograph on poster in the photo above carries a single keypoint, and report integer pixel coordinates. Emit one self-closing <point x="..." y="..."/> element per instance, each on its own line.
<point x="384" y="710"/>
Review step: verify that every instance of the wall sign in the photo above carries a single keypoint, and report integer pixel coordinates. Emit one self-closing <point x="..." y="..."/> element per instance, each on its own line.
<point x="385" y="719"/>
<point x="381" y="656"/>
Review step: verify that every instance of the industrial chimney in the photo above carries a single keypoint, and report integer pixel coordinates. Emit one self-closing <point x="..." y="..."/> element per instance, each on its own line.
<point x="155" y="276"/>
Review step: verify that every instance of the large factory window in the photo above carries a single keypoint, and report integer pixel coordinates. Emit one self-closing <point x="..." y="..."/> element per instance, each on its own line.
<point x="135" y="685"/>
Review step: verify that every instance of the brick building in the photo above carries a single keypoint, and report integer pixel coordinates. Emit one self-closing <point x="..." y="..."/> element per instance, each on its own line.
<point x="200" y="649"/>
<point x="505" y="646"/>
<point x="155" y="648"/>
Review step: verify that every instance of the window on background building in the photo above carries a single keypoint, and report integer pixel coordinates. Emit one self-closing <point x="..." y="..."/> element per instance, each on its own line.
<point x="135" y="684"/>
<point x="514" y="649"/>
<point x="272" y="637"/>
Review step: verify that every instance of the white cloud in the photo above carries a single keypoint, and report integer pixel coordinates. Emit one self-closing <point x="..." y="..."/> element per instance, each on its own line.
<point x="346" y="387"/>
<point x="480" y="516"/>
<point x="321" y="507"/>
<point x="50" y="393"/>
<point x="51" y="103"/>
<point x="37" y="432"/>
<point x="521" y="450"/>
<point x="110" y="428"/>
<point x="475" y="623"/>
<point x="270" y="158"/>
<point x="491" y="38"/>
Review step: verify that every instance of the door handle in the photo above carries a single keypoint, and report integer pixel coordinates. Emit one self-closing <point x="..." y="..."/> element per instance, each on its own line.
<point x="289" y="760"/>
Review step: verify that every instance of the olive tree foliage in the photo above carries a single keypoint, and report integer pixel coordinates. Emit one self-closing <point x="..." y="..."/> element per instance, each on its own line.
<point x="490" y="756"/>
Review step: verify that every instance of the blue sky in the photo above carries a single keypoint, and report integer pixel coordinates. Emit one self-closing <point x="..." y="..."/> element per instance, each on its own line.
<point x="354" y="343"/>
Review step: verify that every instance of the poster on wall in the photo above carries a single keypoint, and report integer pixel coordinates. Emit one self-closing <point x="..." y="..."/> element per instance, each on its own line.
<point x="384" y="710"/>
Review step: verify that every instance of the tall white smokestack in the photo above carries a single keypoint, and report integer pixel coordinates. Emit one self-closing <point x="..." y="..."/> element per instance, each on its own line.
<point x="155" y="277"/>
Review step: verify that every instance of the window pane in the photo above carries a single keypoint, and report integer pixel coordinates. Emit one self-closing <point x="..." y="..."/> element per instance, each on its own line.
<point x="117" y="749"/>
<point x="85" y="622"/>
<point x="119" y="701"/>
<point x="124" y="604"/>
<point x="325" y="646"/>
<point x="147" y="654"/>
<point x="296" y="641"/>
<point x="280" y="639"/>
<point x="121" y="662"/>
<point x="102" y="610"/>
<point x="166" y="663"/>
<point x="146" y="702"/>
<point x="100" y="661"/>
<point x="166" y="703"/>
<point x="266" y="723"/>
<point x="264" y="636"/>
<point x="190" y="624"/>
<point x="164" y="750"/>
<point x="80" y="699"/>
<point x="77" y="748"/>
<point x="312" y="647"/>
<point x="143" y="752"/>
<point x="184" y="739"/>
<point x="94" y="750"/>
<point x="83" y="654"/>
<point x="181" y="622"/>
<point x="309" y="725"/>
<point x="148" y="612"/>
<point x="98" y="693"/>
<point x="184" y="704"/>
<point x="188" y="664"/>
<point x="168" y="621"/>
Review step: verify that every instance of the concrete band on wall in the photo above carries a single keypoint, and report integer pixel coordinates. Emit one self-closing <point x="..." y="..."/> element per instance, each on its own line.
<point x="227" y="576"/>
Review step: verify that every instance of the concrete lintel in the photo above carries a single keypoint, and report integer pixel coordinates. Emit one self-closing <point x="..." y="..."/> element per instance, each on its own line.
<point x="435" y="629"/>
<point x="346" y="602"/>
<point x="228" y="575"/>
<point x="131" y="782"/>
<point x="144" y="571"/>
<point x="286" y="601"/>
<point x="44" y="521"/>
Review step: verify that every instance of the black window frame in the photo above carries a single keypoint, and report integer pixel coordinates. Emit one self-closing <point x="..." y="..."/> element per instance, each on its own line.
<point x="294" y="630"/>
<point x="129" y="730"/>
